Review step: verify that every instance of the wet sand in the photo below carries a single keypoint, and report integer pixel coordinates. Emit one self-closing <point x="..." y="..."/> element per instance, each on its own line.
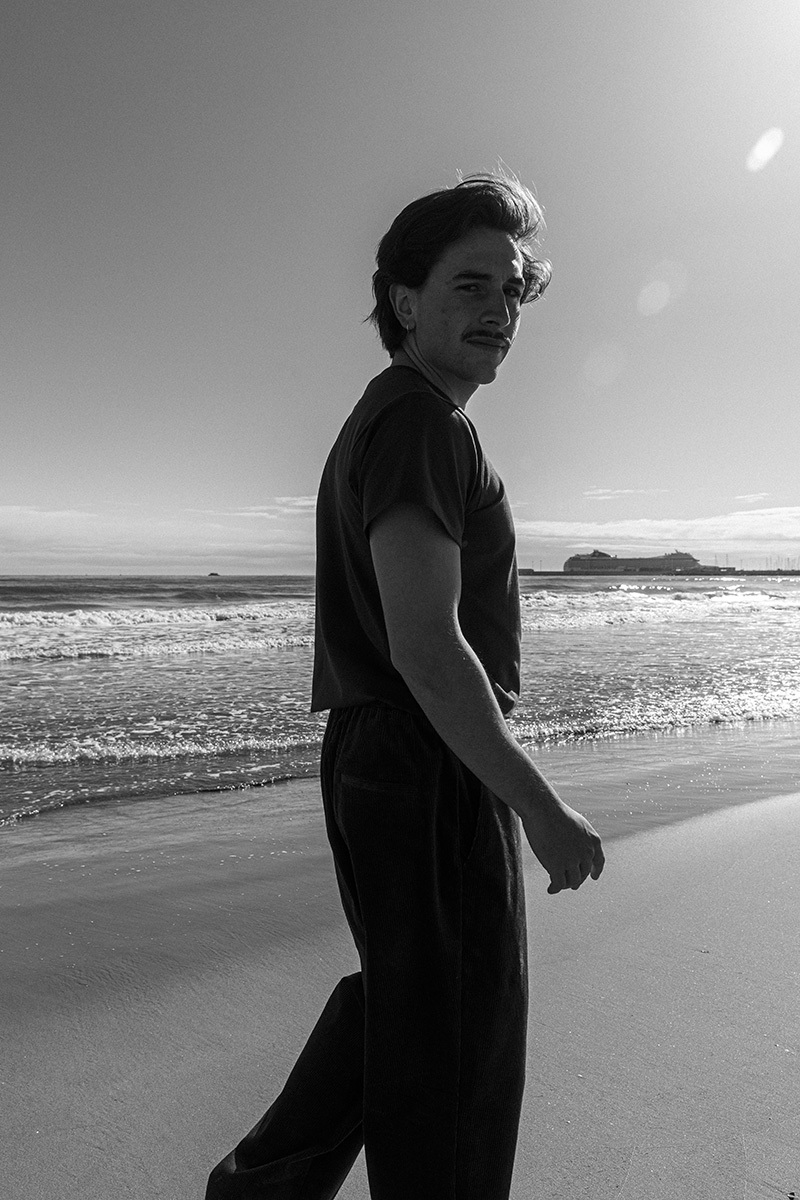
<point x="162" y="965"/>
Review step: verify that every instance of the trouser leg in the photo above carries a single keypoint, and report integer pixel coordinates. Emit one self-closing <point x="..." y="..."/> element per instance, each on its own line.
<point x="307" y="1141"/>
<point x="422" y="1054"/>
<point x="429" y="870"/>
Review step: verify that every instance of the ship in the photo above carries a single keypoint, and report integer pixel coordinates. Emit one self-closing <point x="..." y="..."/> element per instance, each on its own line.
<point x="600" y="563"/>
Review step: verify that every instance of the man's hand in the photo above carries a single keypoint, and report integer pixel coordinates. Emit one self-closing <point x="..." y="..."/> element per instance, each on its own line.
<point x="566" y="845"/>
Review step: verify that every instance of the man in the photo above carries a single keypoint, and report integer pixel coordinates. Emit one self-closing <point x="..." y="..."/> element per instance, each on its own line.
<point x="420" y="1056"/>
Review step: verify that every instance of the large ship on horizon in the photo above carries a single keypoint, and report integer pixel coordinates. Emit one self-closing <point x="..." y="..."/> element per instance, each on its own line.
<point x="600" y="563"/>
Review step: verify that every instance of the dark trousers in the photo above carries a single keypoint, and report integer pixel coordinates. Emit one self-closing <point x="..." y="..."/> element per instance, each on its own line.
<point x="420" y="1056"/>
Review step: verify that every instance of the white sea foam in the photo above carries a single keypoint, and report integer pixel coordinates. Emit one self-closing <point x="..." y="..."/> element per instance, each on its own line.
<point x="131" y="617"/>
<point x="115" y="748"/>
<point x="673" y="713"/>
<point x="147" y="633"/>
<point x="637" y="604"/>
<point x="154" y="649"/>
<point x="153" y="632"/>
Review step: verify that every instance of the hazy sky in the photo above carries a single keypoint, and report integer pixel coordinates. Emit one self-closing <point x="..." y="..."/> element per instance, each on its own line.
<point x="192" y="192"/>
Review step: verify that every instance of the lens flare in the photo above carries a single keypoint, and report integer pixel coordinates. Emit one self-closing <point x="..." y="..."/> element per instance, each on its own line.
<point x="765" y="149"/>
<point x="666" y="282"/>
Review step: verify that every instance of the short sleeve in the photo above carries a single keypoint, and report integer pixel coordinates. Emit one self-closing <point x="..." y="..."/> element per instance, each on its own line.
<point x="418" y="450"/>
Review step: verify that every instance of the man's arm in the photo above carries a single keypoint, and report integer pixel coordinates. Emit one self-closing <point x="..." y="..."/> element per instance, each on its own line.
<point x="418" y="569"/>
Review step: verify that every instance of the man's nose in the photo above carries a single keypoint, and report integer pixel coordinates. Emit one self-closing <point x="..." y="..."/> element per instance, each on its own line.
<point x="498" y="310"/>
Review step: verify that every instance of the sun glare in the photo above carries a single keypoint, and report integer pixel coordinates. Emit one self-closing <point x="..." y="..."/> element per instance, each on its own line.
<point x="765" y="149"/>
<point x="667" y="282"/>
<point x="653" y="297"/>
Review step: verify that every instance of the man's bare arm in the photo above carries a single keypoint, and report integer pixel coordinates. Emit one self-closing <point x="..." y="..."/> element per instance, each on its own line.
<point x="418" y="569"/>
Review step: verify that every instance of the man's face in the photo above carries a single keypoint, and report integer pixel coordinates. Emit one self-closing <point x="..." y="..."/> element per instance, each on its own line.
<point x="467" y="312"/>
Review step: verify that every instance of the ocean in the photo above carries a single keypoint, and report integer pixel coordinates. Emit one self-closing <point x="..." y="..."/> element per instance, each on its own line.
<point x="151" y="688"/>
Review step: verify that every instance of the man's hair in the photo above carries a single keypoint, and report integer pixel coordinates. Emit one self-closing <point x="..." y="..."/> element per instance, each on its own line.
<point x="421" y="233"/>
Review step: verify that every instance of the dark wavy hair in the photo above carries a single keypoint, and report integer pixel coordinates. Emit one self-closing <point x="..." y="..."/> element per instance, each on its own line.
<point x="421" y="233"/>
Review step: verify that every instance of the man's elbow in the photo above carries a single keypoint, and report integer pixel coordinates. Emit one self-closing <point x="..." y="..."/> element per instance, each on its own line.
<point x="425" y="663"/>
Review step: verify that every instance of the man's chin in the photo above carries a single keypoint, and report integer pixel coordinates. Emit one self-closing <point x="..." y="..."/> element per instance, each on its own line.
<point x="486" y="368"/>
<point x="486" y="374"/>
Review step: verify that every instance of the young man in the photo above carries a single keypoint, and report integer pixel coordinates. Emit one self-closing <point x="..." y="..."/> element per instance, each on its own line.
<point x="420" y="1056"/>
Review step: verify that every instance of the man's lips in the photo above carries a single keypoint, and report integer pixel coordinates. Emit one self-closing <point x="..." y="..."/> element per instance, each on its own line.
<point x="496" y="341"/>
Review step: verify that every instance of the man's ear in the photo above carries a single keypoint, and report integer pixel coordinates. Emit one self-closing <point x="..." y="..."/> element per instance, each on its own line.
<point x="404" y="303"/>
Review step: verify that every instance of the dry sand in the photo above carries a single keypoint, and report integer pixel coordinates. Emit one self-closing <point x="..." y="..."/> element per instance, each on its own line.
<point x="162" y="966"/>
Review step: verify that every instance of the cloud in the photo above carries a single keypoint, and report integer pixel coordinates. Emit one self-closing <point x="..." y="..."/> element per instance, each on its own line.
<point x="765" y="149"/>
<point x="304" y="505"/>
<point x="276" y="537"/>
<point x="614" y="493"/>
<point x="297" y="501"/>
<point x="752" y="532"/>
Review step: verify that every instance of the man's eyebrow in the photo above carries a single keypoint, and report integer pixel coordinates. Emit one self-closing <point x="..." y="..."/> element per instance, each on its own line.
<point x="486" y="277"/>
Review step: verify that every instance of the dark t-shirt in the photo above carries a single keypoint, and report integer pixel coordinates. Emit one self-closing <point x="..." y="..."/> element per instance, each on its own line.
<point x="406" y="442"/>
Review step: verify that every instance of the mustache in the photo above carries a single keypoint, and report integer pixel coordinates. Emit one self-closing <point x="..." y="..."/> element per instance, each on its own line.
<point x="489" y="335"/>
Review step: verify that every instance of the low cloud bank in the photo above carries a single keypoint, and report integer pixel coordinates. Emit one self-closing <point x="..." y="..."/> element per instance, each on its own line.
<point x="753" y="535"/>
<point x="278" y="538"/>
<point x="274" y="538"/>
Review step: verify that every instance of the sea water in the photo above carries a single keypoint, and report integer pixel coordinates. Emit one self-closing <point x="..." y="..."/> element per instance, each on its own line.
<point x="146" y="688"/>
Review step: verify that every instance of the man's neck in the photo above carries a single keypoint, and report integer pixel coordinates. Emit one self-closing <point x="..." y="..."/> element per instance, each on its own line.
<point x="458" y="390"/>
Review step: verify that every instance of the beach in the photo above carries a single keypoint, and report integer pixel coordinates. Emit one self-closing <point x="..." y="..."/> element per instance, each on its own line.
<point x="162" y="965"/>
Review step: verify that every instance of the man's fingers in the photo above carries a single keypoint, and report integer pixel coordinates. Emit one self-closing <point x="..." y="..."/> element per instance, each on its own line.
<point x="573" y="877"/>
<point x="584" y="870"/>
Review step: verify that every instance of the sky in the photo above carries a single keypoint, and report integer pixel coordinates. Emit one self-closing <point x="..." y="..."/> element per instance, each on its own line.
<point x="192" y="194"/>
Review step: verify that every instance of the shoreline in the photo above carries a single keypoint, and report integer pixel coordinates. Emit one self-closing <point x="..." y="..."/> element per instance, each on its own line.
<point x="625" y="783"/>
